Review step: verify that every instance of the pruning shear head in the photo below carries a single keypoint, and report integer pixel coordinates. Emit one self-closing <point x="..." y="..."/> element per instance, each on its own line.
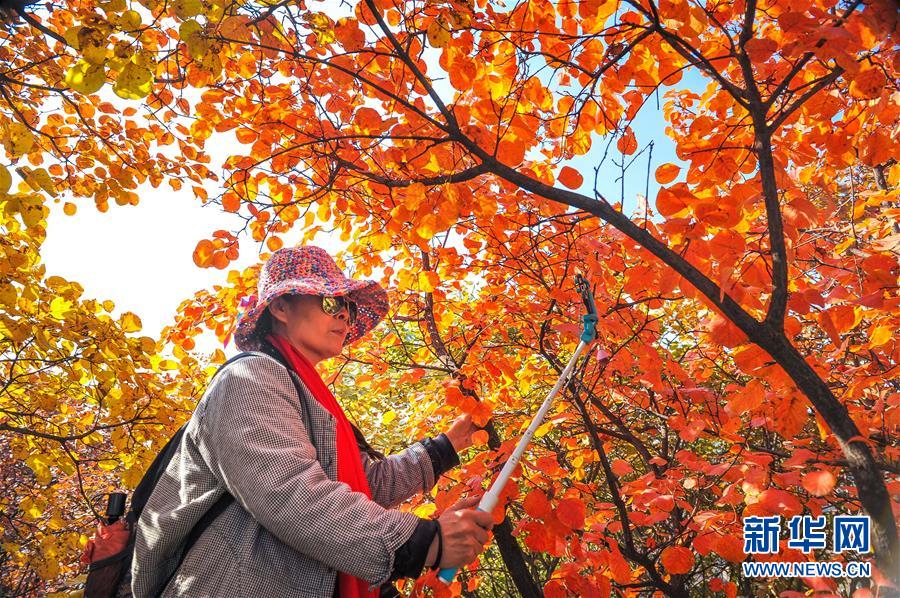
<point x="584" y="289"/>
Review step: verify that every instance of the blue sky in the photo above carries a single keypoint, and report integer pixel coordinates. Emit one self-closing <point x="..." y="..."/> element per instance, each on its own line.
<point x="648" y="126"/>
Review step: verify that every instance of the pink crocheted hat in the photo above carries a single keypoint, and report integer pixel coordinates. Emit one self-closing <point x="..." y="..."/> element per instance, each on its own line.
<point x="309" y="270"/>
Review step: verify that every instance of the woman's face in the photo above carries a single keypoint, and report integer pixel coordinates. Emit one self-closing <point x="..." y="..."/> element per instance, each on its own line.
<point x="301" y="320"/>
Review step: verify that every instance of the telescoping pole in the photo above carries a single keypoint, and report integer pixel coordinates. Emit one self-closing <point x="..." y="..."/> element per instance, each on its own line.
<point x="492" y="496"/>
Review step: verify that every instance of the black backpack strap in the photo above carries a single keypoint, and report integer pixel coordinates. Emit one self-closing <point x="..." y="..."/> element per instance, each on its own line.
<point x="156" y="469"/>
<point x="197" y="531"/>
<point x="208" y="517"/>
<point x="151" y="476"/>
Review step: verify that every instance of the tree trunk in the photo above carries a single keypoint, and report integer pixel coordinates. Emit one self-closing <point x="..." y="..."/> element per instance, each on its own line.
<point x="515" y="561"/>
<point x="869" y="482"/>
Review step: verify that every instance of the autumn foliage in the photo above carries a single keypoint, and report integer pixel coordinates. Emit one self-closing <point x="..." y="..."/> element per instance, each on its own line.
<point x="747" y="354"/>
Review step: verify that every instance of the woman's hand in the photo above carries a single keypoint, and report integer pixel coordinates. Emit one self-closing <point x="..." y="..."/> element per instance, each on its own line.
<point x="464" y="533"/>
<point x="460" y="432"/>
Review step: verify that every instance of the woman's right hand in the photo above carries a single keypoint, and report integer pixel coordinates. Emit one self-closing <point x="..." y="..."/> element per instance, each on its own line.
<point x="464" y="532"/>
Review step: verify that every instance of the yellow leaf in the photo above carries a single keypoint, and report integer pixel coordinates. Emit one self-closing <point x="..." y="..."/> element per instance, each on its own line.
<point x="71" y="36"/>
<point x="191" y="34"/>
<point x="38" y="179"/>
<point x="130" y="20"/>
<point x="388" y="417"/>
<point x="132" y="477"/>
<point x="30" y="208"/>
<point x="38" y="464"/>
<point x="94" y="53"/>
<point x="134" y="82"/>
<point x="111" y="6"/>
<point x="542" y="429"/>
<point x="130" y="322"/>
<point x="428" y="281"/>
<point x="8" y="295"/>
<point x="438" y="33"/>
<point x="321" y="24"/>
<point x="59" y="307"/>
<point x="85" y="77"/>
<point x="185" y="9"/>
<point x="880" y="336"/>
<point x="30" y="510"/>
<point x="18" y="139"/>
<point x="5" y="179"/>
<point x="425" y="511"/>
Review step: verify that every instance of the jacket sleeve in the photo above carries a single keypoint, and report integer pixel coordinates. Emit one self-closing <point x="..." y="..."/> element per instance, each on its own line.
<point x="252" y="434"/>
<point x="415" y="469"/>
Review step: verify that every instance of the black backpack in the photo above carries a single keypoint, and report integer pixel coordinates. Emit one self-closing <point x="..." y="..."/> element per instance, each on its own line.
<point x="111" y="577"/>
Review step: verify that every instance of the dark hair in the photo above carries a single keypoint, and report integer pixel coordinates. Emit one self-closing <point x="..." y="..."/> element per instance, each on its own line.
<point x="264" y="322"/>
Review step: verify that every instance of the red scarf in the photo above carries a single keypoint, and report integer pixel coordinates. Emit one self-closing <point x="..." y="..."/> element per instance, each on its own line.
<point x="349" y="463"/>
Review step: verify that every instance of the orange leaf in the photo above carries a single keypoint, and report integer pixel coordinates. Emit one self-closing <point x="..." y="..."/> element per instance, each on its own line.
<point x="245" y="135"/>
<point x="868" y="83"/>
<point x="570" y="177"/>
<point x="819" y="483"/>
<point x="670" y="205"/>
<point x="203" y="253"/>
<point x="231" y="202"/>
<point x="792" y="415"/>
<point x="779" y="502"/>
<point x="666" y="173"/>
<point x="677" y="559"/>
<point x="627" y="143"/>
<point x="760" y="49"/>
<point x="480" y="438"/>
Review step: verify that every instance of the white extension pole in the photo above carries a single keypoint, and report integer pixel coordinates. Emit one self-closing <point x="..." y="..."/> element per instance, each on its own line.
<point x="492" y="496"/>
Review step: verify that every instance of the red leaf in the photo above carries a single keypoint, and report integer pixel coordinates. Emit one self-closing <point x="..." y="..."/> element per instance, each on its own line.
<point x="621" y="467"/>
<point x="570" y="511"/>
<point x="570" y="177"/>
<point x="730" y="548"/>
<point x="537" y="505"/>
<point x="618" y="566"/>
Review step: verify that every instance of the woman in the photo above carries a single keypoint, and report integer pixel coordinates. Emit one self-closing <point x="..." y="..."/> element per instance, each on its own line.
<point x="312" y="514"/>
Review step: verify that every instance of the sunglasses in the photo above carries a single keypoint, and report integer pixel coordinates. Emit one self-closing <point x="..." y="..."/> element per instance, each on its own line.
<point x="333" y="306"/>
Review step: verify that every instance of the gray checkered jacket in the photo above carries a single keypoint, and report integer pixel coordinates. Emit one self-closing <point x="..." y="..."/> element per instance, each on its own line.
<point x="292" y="526"/>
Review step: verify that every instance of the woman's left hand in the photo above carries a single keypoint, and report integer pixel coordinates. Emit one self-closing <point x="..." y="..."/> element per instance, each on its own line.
<point x="460" y="432"/>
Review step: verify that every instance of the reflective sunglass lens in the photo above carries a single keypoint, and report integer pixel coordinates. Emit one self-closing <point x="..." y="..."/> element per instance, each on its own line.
<point x="330" y="305"/>
<point x="333" y="306"/>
